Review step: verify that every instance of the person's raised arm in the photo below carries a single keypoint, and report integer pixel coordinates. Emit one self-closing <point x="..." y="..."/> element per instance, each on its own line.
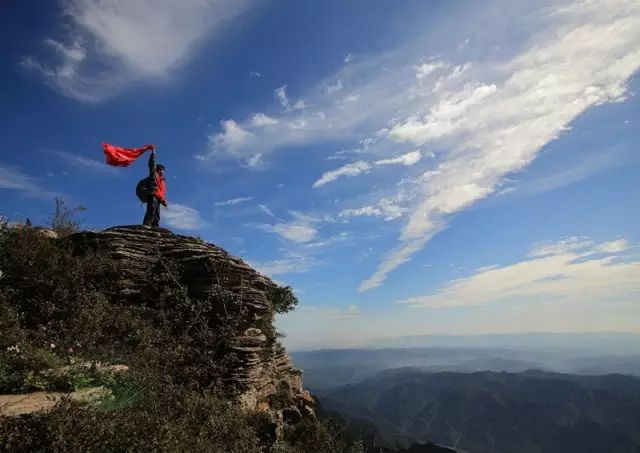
<point x="152" y="163"/>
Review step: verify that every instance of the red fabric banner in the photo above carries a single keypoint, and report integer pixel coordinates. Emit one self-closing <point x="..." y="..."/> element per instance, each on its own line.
<point x="122" y="157"/>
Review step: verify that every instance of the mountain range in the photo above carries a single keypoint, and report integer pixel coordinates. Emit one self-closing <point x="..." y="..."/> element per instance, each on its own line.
<point x="497" y="412"/>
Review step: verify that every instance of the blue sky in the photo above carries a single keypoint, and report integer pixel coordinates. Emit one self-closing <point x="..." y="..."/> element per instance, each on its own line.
<point x="408" y="167"/>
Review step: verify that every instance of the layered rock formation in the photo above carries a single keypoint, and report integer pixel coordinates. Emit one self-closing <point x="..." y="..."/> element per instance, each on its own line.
<point x="259" y="366"/>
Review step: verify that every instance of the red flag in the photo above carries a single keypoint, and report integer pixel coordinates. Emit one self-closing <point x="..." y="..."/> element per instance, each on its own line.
<point x="122" y="157"/>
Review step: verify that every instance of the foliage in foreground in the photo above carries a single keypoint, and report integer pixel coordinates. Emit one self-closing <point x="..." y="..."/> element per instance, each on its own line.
<point x="55" y="311"/>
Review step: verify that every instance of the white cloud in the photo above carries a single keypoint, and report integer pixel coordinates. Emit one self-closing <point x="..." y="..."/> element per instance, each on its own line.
<point x="348" y="170"/>
<point x="408" y="159"/>
<point x="260" y="119"/>
<point x="182" y="217"/>
<point x="266" y="210"/>
<point x="232" y="137"/>
<point x="255" y="74"/>
<point x="335" y="87"/>
<point x="85" y="163"/>
<point x="302" y="229"/>
<point x="255" y="161"/>
<point x="488" y="115"/>
<point x="444" y="118"/>
<point x="562" y="275"/>
<point x="619" y="245"/>
<point x="298" y="231"/>
<point x="349" y="58"/>
<point x="360" y="167"/>
<point x="329" y="241"/>
<point x="351" y="98"/>
<point x="13" y="179"/>
<point x="299" y="105"/>
<point x="386" y="208"/>
<point x="281" y="95"/>
<point x="426" y="69"/>
<point x="111" y="44"/>
<point x="568" y="245"/>
<point x="292" y="264"/>
<point x="233" y="201"/>
<point x="498" y="128"/>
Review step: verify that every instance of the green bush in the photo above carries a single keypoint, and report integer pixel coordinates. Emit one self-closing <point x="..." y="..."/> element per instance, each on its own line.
<point x="163" y="418"/>
<point x="57" y="308"/>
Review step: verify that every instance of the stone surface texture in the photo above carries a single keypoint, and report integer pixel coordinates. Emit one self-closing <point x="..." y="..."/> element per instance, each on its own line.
<point x="262" y="369"/>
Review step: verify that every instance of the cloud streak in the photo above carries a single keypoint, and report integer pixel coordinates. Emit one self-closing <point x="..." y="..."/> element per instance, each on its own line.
<point x="573" y="270"/>
<point x="183" y="217"/>
<point x="85" y="163"/>
<point x="498" y="128"/>
<point x="13" y="179"/>
<point x="488" y="114"/>
<point x="292" y="263"/>
<point x="360" y="167"/>
<point x="233" y="201"/>
<point x="111" y="44"/>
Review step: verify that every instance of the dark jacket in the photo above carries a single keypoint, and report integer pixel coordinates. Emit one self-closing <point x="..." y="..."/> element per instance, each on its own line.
<point x="160" y="190"/>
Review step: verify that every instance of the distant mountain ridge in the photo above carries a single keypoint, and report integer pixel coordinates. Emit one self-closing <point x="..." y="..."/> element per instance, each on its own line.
<point x="493" y="412"/>
<point x="596" y="342"/>
<point x="330" y="368"/>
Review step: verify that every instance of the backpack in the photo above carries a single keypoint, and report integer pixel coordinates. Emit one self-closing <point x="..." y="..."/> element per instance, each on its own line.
<point x="145" y="188"/>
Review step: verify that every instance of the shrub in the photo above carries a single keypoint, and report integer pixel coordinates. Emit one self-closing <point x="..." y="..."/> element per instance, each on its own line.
<point x="165" y="418"/>
<point x="64" y="220"/>
<point x="283" y="299"/>
<point x="58" y="308"/>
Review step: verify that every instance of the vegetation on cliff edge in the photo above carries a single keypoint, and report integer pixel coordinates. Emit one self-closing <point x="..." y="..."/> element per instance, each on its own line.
<point x="56" y="312"/>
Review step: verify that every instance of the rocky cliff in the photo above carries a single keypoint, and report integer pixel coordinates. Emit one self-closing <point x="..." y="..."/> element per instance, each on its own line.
<point x="256" y="364"/>
<point x="168" y="308"/>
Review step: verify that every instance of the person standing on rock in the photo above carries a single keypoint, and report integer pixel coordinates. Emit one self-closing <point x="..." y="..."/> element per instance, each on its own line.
<point x="158" y="190"/>
<point x="150" y="190"/>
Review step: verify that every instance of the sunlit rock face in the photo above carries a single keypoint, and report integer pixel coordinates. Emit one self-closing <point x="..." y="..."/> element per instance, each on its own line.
<point x="254" y="362"/>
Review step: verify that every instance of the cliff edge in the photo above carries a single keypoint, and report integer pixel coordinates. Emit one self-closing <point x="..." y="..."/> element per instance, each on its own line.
<point x="146" y="318"/>
<point x="256" y="364"/>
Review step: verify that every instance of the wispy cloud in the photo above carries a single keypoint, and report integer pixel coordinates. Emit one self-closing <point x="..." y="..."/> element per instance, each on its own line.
<point x="361" y="167"/>
<point x="489" y="114"/>
<point x="233" y="201"/>
<point x="182" y="217"/>
<point x="111" y="44"/>
<point x="266" y="210"/>
<point x="353" y="169"/>
<point x="562" y="246"/>
<point x="300" y="230"/>
<point x="407" y="159"/>
<point x="616" y="246"/>
<point x="13" y="179"/>
<point x="587" y="166"/>
<point x="85" y="163"/>
<point x="281" y="95"/>
<point x="499" y="127"/>
<point x="302" y="245"/>
<point x="260" y="119"/>
<point x="573" y="270"/>
<point x="335" y="87"/>
<point x="386" y="208"/>
<point x="292" y="263"/>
